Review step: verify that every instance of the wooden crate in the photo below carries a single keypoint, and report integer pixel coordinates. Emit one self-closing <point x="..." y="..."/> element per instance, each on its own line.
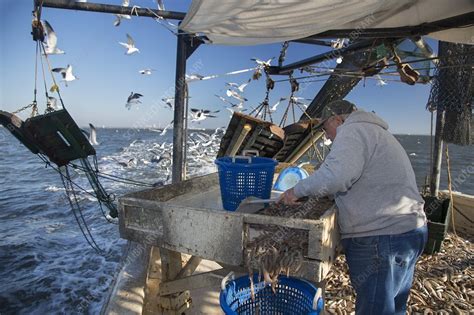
<point x="188" y="217"/>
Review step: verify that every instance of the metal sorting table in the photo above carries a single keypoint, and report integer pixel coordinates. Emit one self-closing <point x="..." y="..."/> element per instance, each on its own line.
<point x="188" y="217"/>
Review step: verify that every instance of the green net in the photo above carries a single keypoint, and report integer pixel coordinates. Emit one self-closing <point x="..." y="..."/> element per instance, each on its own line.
<point x="452" y="91"/>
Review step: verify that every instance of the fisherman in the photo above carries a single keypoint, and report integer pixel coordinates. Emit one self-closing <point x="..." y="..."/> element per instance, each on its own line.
<point x="381" y="218"/>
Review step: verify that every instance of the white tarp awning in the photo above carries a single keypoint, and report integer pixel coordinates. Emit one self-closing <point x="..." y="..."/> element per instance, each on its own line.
<point x="252" y="22"/>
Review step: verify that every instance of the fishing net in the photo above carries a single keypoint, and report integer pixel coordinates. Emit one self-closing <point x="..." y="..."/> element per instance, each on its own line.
<point x="452" y="91"/>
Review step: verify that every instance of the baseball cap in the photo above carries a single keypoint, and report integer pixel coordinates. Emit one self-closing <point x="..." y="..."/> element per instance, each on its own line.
<point x="339" y="107"/>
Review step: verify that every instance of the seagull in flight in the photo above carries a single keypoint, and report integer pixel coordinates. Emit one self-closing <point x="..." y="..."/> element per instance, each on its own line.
<point x="193" y="77"/>
<point x="274" y="107"/>
<point x="160" y="4"/>
<point x="66" y="73"/>
<point x="380" y="82"/>
<point x="201" y="114"/>
<point x="146" y="71"/>
<point x="234" y="94"/>
<point x="166" y="128"/>
<point x="132" y="99"/>
<point x="93" y="135"/>
<point x="169" y="101"/>
<point x="119" y="17"/>
<point x="240" y="87"/>
<point x="261" y="63"/>
<point x="51" y="40"/>
<point x="130" y="45"/>
<point x="225" y="100"/>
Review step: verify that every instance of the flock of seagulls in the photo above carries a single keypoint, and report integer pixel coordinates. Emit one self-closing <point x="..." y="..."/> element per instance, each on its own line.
<point x="234" y="98"/>
<point x="140" y="155"/>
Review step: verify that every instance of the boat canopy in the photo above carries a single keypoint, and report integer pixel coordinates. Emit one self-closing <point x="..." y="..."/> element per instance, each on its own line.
<point x="253" y="22"/>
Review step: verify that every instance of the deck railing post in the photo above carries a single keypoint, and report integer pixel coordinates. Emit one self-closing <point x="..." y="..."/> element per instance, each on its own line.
<point x="437" y="154"/>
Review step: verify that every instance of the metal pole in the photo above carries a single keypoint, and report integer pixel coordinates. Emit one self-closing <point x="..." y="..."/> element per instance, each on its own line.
<point x="438" y="154"/>
<point x="179" y="106"/>
<point x="106" y="8"/>
<point x="362" y="45"/>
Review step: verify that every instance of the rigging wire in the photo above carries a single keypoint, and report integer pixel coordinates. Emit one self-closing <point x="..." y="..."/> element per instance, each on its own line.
<point x="358" y="74"/>
<point x="84" y="229"/>
<point x="112" y="177"/>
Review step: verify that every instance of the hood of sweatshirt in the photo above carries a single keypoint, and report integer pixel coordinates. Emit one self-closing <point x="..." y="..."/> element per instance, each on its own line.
<point x="361" y="116"/>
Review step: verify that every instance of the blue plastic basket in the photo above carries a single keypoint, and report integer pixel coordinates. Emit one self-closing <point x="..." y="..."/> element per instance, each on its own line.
<point x="244" y="176"/>
<point x="293" y="296"/>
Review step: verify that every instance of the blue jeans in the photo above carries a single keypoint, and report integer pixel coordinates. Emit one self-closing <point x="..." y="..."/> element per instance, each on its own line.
<point x="381" y="269"/>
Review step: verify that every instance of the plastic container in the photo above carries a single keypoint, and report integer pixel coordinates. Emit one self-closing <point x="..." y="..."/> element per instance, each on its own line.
<point x="244" y="176"/>
<point x="289" y="177"/>
<point x="293" y="296"/>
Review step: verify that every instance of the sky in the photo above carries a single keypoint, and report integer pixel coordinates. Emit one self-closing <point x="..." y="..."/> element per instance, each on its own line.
<point x="107" y="76"/>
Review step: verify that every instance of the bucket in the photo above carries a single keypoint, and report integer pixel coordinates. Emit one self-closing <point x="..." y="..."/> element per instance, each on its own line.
<point x="292" y="296"/>
<point x="244" y="176"/>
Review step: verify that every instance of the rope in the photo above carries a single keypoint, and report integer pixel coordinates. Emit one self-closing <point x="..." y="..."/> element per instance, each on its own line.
<point x="34" y="103"/>
<point x="55" y="85"/>
<point x="43" y="72"/>
<point x="100" y="192"/>
<point x="69" y="188"/>
<point x="36" y="73"/>
<point x="160" y="19"/>
<point x="450" y="188"/>
<point x="45" y="160"/>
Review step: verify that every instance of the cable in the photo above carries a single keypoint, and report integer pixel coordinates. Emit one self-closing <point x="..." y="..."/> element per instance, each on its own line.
<point x="91" y="242"/>
<point x="114" y="177"/>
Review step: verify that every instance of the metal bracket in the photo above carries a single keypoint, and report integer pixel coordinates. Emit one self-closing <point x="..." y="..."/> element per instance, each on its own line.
<point x="192" y="43"/>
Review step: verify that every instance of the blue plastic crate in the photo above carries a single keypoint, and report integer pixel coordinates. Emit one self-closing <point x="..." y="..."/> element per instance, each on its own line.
<point x="293" y="296"/>
<point x="241" y="177"/>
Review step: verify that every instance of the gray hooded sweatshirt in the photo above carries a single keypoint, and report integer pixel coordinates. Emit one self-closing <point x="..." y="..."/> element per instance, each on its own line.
<point x="371" y="178"/>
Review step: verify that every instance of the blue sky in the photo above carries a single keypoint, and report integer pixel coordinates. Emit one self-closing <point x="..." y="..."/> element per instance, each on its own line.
<point x="107" y="75"/>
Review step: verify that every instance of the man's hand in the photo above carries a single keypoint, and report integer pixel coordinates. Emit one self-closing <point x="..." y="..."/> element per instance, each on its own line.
<point x="289" y="198"/>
